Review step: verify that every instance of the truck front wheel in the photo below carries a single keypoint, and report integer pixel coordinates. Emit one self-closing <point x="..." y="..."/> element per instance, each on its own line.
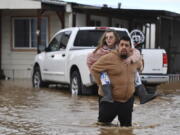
<point x="37" y="80"/>
<point x="75" y="83"/>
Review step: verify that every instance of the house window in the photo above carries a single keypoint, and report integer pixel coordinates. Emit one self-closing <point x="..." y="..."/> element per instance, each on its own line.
<point x="24" y="32"/>
<point x="117" y="25"/>
<point x="95" y="23"/>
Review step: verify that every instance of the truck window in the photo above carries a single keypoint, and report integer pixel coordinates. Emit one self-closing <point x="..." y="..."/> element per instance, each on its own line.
<point x="90" y="38"/>
<point x="54" y="45"/>
<point x="59" y="41"/>
<point x="64" y="39"/>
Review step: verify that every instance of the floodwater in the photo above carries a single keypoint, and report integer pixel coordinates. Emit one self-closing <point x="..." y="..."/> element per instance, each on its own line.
<point x="53" y="111"/>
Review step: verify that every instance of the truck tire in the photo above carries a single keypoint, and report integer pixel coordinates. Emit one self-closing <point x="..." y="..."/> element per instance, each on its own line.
<point x="77" y="88"/>
<point x="75" y="83"/>
<point x="37" y="80"/>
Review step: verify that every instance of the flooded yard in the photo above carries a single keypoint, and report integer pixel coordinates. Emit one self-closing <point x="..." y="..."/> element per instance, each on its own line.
<point x="53" y="111"/>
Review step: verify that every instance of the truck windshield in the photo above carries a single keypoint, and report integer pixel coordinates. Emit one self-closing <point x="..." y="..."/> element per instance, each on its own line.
<point x="90" y="38"/>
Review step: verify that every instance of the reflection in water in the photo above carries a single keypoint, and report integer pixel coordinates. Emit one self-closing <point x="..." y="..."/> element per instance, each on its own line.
<point x="116" y="131"/>
<point x="53" y="111"/>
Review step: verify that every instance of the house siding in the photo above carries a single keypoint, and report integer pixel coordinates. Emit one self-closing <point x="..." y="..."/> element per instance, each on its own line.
<point x="103" y="20"/>
<point x="25" y="4"/>
<point x="80" y="19"/>
<point x="120" y="22"/>
<point x="54" y="23"/>
<point x="68" y="20"/>
<point x="18" y="64"/>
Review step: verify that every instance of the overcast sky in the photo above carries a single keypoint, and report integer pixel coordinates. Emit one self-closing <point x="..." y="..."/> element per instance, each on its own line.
<point x="169" y="5"/>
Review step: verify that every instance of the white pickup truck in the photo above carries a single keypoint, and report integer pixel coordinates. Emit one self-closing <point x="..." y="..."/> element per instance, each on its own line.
<point x="64" y="60"/>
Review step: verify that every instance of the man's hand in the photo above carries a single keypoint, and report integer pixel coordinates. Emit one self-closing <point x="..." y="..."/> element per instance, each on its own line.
<point x="128" y="61"/>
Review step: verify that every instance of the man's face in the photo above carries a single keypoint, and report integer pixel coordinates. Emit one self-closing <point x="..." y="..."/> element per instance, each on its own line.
<point x="124" y="49"/>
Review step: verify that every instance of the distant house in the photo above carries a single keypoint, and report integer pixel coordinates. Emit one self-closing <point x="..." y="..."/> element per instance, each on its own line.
<point x="25" y="24"/>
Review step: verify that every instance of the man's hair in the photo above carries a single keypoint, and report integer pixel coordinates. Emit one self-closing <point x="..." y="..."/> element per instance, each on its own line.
<point x="126" y="38"/>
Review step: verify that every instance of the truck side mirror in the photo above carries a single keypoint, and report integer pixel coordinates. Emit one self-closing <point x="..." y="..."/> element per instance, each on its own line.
<point x="41" y="48"/>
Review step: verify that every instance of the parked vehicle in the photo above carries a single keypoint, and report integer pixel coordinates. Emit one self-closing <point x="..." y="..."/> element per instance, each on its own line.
<point x="64" y="60"/>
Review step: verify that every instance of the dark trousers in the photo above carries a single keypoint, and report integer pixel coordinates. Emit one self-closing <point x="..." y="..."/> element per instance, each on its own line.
<point x="108" y="111"/>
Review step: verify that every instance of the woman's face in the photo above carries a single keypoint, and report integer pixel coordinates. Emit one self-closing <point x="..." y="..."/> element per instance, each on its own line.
<point x="110" y="39"/>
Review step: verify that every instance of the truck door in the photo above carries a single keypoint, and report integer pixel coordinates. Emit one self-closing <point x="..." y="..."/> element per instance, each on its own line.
<point x="54" y="65"/>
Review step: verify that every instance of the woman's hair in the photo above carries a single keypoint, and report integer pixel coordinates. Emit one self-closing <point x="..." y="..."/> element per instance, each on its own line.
<point x="102" y="40"/>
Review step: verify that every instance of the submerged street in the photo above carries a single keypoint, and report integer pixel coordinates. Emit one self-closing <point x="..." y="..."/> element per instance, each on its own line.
<point x="53" y="111"/>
